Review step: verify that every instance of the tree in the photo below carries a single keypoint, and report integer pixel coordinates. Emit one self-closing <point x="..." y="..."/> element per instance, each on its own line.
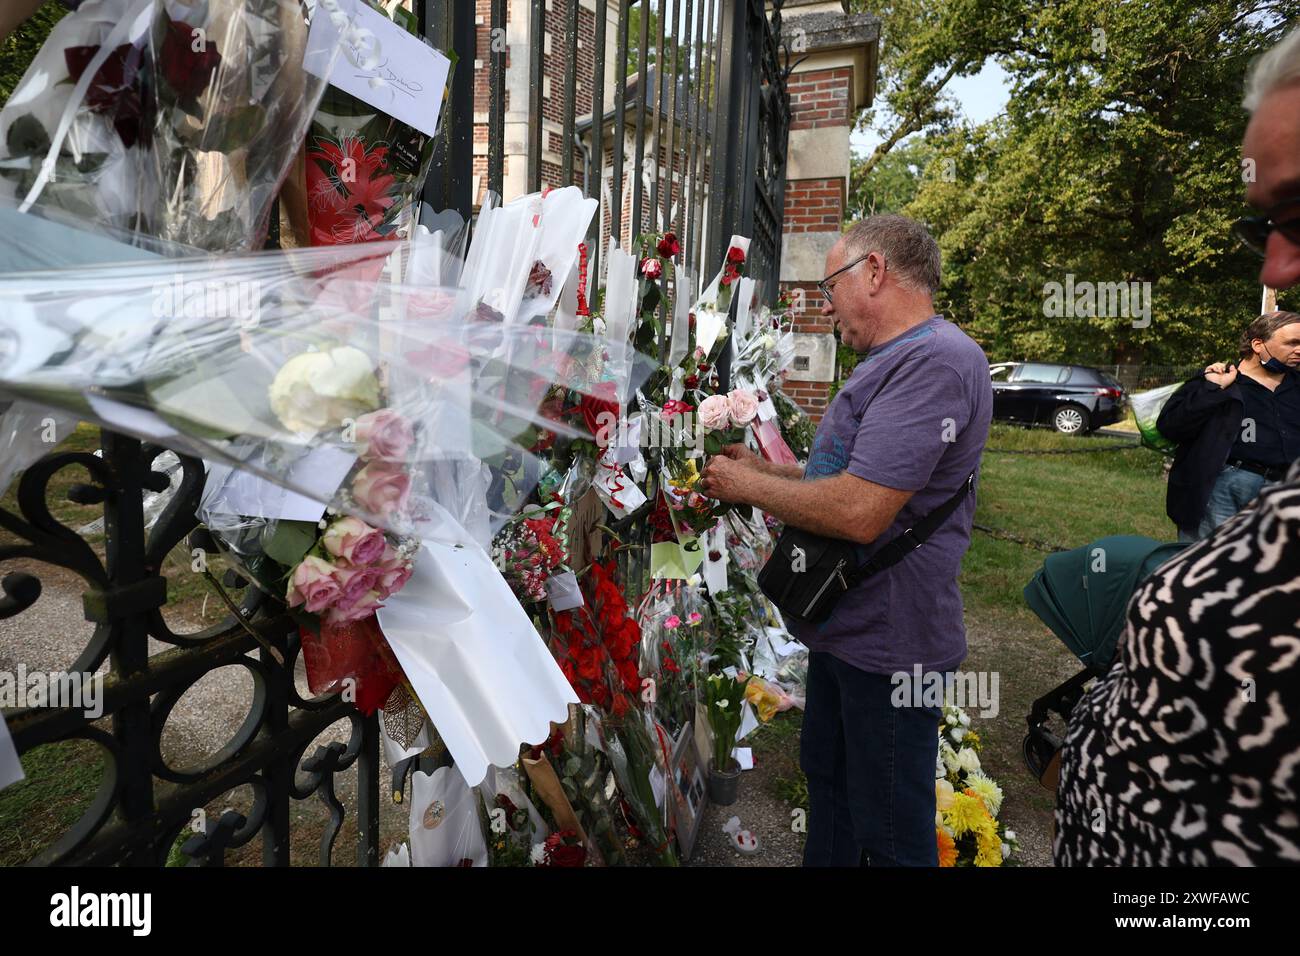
<point x="891" y="185"/>
<point x="924" y="46"/>
<point x="1116" y="162"/>
<point x="19" y="48"/>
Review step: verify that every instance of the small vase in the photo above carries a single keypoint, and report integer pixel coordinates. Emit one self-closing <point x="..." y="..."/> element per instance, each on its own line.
<point x="723" y="785"/>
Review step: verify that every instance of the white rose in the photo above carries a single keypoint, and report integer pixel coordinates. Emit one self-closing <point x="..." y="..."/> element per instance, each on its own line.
<point x="965" y="721"/>
<point x="968" y="760"/>
<point x="951" y="721"/>
<point x="537" y="855"/>
<point x="949" y="756"/>
<point x="1006" y="850"/>
<point x="317" y="390"/>
<point x="768" y="341"/>
<point x="1010" y="834"/>
<point x="958" y="733"/>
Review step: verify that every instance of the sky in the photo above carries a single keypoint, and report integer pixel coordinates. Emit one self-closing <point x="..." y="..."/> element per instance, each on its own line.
<point x="982" y="97"/>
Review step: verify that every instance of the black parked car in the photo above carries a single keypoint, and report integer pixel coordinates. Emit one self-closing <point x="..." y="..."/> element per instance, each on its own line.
<point x="1073" y="399"/>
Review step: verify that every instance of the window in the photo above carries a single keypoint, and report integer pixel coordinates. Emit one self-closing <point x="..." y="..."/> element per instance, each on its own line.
<point x="1050" y="374"/>
<point x="1000" y="373"/>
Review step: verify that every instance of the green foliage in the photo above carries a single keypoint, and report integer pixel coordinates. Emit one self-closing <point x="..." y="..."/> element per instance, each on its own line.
<point x="1117" y="161"/>
<point x="21" y="46"/>
<point x="891" y="185"/>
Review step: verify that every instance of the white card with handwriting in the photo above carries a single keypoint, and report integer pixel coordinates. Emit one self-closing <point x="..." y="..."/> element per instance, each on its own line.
<point x="377" y="62"/>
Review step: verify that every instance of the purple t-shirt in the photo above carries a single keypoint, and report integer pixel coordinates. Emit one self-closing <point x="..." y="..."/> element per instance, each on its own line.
<point x="913" y="416"/>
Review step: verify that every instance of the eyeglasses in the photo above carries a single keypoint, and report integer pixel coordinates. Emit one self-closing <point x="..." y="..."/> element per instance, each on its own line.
<point x="824" y="286"/>
<point x="1254" y="231"/>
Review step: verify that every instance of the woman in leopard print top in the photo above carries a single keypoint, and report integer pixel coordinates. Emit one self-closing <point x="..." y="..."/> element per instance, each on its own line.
<point x="1186" y="753"/>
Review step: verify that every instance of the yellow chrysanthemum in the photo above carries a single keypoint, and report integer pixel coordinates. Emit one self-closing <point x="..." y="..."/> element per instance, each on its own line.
<point x="967" y="813"/>
<point x="990" y="846"/>
<point x="987" y="790"/>
<point x="947" y="847"/>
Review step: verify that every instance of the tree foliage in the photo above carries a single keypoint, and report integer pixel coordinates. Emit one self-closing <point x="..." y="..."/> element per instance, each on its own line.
<point x="19" y="48"/>
<point x="1116" y="160"/>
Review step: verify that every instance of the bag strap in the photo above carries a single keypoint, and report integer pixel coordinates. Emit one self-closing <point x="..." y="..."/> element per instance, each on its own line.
<point x="911" y="539"/>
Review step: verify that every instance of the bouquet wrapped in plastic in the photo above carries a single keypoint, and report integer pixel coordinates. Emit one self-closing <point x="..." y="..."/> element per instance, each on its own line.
<point x="359" y="438"/>
<point x="170" y="118"/>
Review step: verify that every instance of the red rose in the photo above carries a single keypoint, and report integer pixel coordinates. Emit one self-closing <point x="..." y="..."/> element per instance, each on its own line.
<point x="188" y="71"/>
<point x="573" y="856"/>
<point x="669" y="246"/>
<point x="691" y="381"/>
<point x="729" y="275"/>
<point x="651" y="268"/>
<point x="691" y="319"/>
<point x="736" y="254"/>
<point x="675" y="407"/>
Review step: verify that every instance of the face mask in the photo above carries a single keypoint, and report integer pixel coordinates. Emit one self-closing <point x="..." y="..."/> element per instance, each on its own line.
<point x="1273" y="365"/>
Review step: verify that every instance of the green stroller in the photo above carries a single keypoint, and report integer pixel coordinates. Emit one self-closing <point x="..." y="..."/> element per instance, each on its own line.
<point x="1083" y="595"/>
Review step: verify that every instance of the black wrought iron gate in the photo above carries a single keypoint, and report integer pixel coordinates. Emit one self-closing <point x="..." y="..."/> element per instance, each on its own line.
<point x="713" y="111"/>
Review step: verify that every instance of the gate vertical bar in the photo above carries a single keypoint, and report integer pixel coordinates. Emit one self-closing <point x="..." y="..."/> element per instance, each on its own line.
<point x="570" y="91"/>
<point x="620" y="117"/>
<point x="497" y="97"/>
<point x="642" y="96"/>
<point x="536" y="27"/>
<point x="597" y="185"/>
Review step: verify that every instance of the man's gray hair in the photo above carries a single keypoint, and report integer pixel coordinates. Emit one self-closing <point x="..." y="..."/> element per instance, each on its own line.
<point x="909" y="249"/>
<point x="1278" y="67"/>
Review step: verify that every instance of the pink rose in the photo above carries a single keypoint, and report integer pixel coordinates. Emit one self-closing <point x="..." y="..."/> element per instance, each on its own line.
<point x="381" y="488"/>
<point x="354" y="541"/>
<point x="673" y="623"/>
<point x="715" y="412"/>
<point x="385" y="435"/>
<point x="743" y="405"/>
<point x="354" y="584"/>
<point x="394" y="572"/>
<point x="365" y="606"/>
<point x="312" y="584"/>
<point x="394" y="579"/>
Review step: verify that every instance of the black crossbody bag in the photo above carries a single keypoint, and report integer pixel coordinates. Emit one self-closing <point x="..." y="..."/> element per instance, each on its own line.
<point x="808" y="573"/>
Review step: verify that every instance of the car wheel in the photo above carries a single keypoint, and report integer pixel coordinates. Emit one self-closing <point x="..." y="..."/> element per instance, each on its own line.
<point x="1070" y="420"/>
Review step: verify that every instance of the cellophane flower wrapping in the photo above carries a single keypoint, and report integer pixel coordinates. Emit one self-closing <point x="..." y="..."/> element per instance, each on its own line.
<point x="641" y="754"/>
<point x="233" y="100"/>
<point x="175" y="119"/>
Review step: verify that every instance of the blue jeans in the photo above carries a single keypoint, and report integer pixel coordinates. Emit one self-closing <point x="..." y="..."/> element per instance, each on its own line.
<point x="1233" y="490"/>
<point x="870" y="769"/>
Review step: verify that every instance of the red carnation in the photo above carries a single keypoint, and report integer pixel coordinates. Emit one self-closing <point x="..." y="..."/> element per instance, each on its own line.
<point x="652" y="268"/>
<point x="669" y="246"/>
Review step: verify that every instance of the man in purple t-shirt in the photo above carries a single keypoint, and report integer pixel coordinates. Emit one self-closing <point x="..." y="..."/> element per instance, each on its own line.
<point x="899" y="439"/>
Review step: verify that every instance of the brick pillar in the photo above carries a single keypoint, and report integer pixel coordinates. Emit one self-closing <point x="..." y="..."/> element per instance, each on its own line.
<point x="834" y="79"/>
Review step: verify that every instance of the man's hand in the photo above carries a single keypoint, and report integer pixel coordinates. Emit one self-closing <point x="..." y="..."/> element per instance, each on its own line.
<point x="1220" y="374"/>
<point x="744" y="456"/>
<point x="730" y="476"/>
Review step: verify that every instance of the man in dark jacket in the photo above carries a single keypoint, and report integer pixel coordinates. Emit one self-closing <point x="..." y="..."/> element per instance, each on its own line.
<point x="1237" y="427"/>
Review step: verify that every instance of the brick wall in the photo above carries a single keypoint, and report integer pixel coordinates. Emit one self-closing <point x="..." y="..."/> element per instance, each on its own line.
<point x="820" y="98"/>
<point x="814" y="205"/>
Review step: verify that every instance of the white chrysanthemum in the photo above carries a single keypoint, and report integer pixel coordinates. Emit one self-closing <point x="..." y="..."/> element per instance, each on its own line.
<point x="987" y="790"/>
